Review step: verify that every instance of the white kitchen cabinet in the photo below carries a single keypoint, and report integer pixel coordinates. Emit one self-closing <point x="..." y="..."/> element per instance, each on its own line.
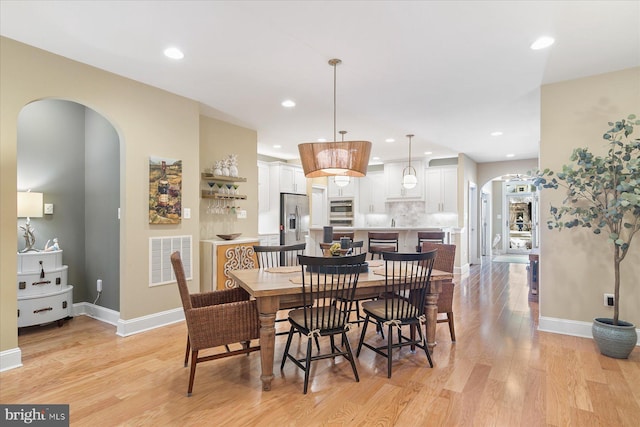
<point x="441" y="188"/>
<point x="372" y="199"/>
<point x="286" y="178"/>
<point x="269" y="239"/>
<point x="263" y="187"/>
<point x="350" y="190"/>
<point x="43" y="292"/>
<point x="393" y="179"/>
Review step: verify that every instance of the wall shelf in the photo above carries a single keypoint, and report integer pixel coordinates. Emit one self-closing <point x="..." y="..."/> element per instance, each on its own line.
<point x="222" y="178"/>
<point x="207" y="195"/>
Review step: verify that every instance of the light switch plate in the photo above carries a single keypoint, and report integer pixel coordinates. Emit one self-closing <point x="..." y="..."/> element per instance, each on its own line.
<point x="187" y="213"/>
<point x="48" y="208"/>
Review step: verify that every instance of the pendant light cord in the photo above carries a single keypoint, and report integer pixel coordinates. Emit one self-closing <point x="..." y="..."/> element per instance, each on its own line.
<point x="334" y="62"/>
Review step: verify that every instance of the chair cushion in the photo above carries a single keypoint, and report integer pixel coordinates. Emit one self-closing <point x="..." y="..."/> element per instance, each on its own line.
<point x="395" y="306"/>
<point x="323" y="317"/>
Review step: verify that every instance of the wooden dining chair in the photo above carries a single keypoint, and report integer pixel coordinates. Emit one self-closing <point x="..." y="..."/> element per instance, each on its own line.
<point x="278" y="256"/>
<point x="331" y="283"/>
<point x="281" y="256"/>
<point x="215" y="319"/>
<point x="402" y="304"/>
<point x="444" y="262"/>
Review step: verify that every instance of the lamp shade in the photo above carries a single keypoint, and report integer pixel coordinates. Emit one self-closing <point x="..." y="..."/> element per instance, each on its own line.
<point x="409" y="181"/>
<point x="29" y="205"/>
<point x="349" y="158"/>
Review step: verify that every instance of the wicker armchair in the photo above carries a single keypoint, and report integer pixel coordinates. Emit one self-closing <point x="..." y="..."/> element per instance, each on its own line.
<point x="444" y="262"/>
<point x="216" y="319"/>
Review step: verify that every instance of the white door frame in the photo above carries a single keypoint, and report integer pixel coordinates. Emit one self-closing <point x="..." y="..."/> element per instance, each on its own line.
<point x="473" y="224"/>
<point x="319" y="206"/>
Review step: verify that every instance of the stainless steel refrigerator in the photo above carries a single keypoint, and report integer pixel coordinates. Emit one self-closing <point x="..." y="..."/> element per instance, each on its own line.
<point x="294" y="218"/>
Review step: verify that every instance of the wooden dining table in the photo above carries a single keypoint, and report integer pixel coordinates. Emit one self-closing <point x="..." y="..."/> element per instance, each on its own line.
<point x="273" y="286"/>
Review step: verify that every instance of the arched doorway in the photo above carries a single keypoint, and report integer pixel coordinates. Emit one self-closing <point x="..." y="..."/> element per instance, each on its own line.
<point x="507" y="203"/>
<point x="71" y="154"/>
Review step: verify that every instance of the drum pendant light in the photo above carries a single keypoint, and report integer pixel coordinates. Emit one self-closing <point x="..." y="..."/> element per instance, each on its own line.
<point x="346" y="158"/>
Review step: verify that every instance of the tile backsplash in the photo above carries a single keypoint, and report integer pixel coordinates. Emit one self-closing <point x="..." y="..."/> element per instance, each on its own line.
<point x="410" y="214"/>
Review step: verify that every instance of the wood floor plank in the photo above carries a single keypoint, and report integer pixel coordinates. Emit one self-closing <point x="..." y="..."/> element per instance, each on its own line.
<point x="501" y="372"/>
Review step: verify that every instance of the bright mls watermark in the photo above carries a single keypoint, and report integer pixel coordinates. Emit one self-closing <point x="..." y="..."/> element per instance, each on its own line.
<point x="34" y="415"/>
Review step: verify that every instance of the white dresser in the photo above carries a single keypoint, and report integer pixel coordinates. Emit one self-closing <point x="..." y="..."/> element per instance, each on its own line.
<point x="43" y="292"/>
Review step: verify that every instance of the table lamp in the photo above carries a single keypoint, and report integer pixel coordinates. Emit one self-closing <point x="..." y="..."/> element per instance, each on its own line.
<point x="29" y="206"/>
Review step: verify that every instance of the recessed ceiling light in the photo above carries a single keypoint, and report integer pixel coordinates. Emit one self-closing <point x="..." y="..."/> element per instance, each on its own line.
<point x="496" y="133"/>
<point x="277" y="146"/>
<point x="288" y="103"/>
<point x="389" y="140"/>
<point x="510" y="155"/>
<point x="428" y="152"/>
<point x="322" y="140"/>
<point x="542" y="42"/>
<point x="173" y="53"/>
<point x="376" y="158"/>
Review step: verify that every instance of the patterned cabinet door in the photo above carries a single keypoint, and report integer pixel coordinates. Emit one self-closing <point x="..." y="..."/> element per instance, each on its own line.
<point x="234" y="257"/>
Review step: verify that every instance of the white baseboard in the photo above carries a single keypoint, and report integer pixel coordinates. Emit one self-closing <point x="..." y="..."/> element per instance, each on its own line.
<point x="152" y="321"/>
<point x="132" y="326"/>
<point x="97" y="312"/>
<point x="569" y="327"/>
<point x="10" y="359"/>
<point x="461" y="270"/>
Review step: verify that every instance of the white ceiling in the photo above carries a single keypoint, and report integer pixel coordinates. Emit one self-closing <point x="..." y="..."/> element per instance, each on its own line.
<point x="450" y="72"/>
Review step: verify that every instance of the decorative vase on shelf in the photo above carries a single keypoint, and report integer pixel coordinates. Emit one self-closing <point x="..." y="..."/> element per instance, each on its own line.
<point x="225" y="167"/>
<point x="217" y="169"/>
<point x="233" y="165"/>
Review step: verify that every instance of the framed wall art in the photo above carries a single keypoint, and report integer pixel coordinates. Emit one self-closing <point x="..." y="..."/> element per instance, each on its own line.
<point x="165" y="191"/>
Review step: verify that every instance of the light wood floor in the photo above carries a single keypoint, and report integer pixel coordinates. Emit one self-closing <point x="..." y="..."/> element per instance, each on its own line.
<point x="500" y="372"/>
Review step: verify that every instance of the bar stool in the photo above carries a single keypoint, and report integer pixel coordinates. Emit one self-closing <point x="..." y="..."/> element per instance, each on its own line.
<point x="431" y="237"/>
<point x="339" y="234"/>
<point x="380" y="242"/>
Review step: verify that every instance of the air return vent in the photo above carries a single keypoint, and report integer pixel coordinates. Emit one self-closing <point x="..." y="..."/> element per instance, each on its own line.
<point x="160" y="250"/>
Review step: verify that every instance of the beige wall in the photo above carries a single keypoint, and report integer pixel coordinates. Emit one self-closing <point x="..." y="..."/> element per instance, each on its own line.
<point x="218" y="139"/>
<point x="576" y="265"/>
<point x="149" y="122"/>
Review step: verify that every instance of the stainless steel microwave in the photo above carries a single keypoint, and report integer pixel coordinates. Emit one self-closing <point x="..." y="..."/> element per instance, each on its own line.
<point x="341" y="212"/>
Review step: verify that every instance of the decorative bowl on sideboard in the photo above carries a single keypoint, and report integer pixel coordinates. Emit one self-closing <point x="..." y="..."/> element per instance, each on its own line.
<point x="229" y="236"/>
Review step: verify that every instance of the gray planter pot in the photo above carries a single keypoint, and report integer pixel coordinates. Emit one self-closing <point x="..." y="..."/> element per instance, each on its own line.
<point x="614" y="341"/>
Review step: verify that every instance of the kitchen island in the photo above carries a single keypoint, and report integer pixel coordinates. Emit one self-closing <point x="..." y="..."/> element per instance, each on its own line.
<point x="407" y="236"/>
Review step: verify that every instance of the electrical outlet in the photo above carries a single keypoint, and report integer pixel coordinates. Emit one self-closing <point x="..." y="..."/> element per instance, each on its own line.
<point x="609" y="300"/>
<point x="241" y="214"/>
<point x="48" y="208"/>
<point x="99" y="285"/>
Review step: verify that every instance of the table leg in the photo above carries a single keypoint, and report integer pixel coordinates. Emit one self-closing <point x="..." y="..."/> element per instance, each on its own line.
<point x="431" y="312"/>
<point x="267" y="307"/>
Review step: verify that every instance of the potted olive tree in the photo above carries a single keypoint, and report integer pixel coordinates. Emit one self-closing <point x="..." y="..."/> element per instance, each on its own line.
<point x="603" y="194"/>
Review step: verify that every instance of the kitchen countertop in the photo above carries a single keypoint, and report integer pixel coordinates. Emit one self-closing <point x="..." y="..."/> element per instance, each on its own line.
<point x="426" y="228"/>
